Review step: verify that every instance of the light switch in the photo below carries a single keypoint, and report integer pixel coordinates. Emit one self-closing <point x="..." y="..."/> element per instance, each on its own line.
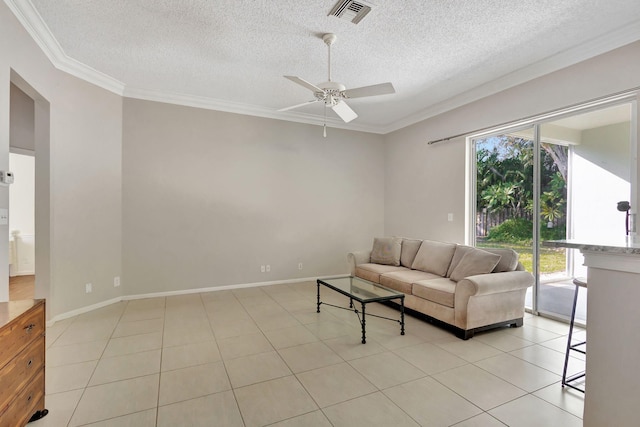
<point x="450" y="217"/>
<point x="4" y="216"/>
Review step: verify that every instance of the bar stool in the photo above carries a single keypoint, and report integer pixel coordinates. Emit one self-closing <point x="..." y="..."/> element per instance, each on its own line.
<point x="574" y="347"/>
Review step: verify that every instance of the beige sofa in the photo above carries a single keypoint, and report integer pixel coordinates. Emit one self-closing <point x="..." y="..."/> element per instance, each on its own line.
<point x="467" y="288"/>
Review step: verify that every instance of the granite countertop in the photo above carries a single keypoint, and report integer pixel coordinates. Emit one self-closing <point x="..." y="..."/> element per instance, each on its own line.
<point x="614" y="246"/>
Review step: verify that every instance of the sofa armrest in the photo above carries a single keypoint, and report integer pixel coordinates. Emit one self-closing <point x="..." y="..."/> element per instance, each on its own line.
<point x="494" y="283"/>
<point x="356" y="258"/>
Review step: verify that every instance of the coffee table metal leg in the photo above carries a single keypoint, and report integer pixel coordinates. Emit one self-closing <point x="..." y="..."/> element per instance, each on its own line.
<point x="402" y="316"/>
<point x="318" y="309"/>
<point x="364" y="328"/>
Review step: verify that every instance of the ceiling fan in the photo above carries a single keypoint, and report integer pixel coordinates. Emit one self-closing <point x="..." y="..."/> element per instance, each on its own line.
<point x="333" y="94"/>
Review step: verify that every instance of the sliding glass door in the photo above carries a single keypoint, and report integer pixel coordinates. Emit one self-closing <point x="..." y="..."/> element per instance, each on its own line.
<point x="561" y="179"/>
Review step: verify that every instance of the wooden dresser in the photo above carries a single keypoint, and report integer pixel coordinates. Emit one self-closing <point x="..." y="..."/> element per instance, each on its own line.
<point x="22" y="347"/>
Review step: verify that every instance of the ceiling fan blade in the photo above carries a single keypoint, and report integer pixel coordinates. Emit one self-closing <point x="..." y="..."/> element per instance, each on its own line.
<point x="304" y="83"/>
<point x="299" y="105"/>
<point x="373" y="90"/>
<point x="344" y="111"/>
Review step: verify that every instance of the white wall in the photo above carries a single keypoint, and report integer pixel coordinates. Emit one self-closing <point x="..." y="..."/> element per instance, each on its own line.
<point x="209" y="197"/>
<point x="601" y="174"/>
<point x="22" y="194"/>
<point x="78" y="174"/>
<point x="424" y="183"/>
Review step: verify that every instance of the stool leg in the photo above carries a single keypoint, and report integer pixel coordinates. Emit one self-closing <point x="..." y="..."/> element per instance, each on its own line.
<point x="566" y="356"/>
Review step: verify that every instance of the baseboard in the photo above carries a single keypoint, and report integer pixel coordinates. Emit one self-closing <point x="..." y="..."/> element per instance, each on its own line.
<point x="82" y="310"/>
<point x="96" y="306"/>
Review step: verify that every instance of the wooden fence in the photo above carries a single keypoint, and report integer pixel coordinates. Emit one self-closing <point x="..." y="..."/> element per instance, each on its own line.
<point x="486" y="220"/>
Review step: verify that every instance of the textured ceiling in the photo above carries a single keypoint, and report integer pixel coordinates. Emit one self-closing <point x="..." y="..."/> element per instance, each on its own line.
<point x="232" y="54"/>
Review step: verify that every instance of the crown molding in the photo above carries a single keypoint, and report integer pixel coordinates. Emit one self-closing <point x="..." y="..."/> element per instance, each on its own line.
<point x="39" y="31"/>
<point x="246" y="109"/>
<point x="31" y="20"/>
<point x="622" y="36"/>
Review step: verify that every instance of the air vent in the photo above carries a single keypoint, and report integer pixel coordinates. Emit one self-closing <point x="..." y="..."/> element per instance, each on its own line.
<point x="351" y="10"/>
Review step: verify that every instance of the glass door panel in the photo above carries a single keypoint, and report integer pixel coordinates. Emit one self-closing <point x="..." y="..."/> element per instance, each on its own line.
<point x="504" y="194"/>
<point x="597" y="147"/>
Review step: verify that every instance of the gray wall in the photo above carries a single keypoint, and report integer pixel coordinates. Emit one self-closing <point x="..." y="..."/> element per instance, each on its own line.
<point x="22" y="120"/>
<point x="424" y="183"/>
<point x="78" y="175"/>
<point x="209" y="197"/>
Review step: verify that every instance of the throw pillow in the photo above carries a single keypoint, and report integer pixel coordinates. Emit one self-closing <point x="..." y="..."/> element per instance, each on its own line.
<point x="461" y="250"/>
<point x="410" y="248"/>
<point x="386" y="250"/>
<point x="475" y="262"/>
<point x="434" y="257"/>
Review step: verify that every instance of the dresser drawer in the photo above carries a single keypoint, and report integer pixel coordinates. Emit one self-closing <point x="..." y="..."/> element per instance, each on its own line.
<point x="16" y="335"/>
<point x="30" y="400"/>
<point x="20" y="371"/>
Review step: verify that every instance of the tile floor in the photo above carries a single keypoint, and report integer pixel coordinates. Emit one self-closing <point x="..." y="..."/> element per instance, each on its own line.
<point x="263" y="356"/>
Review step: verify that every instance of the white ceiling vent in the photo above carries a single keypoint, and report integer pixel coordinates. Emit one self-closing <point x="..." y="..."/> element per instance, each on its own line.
<point x="351" y="10"/>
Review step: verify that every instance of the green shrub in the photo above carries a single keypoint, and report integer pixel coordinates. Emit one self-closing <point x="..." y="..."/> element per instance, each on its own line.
<point x="514" y="230"/>
<point x="520" y="230"/>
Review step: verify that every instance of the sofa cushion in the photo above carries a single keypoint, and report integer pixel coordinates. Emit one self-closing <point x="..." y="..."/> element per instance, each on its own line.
<point x="410" y="248"/>
<point x="372" y="272"/>
<point x="508" y="259"/>
<point x="434" y="257"/>
<point x="402" y="280"/>
<point x="475" y="261"/>
<point x="440" y="290"/>
<point x="386" y="250"/>
<point x="461" y="250"/>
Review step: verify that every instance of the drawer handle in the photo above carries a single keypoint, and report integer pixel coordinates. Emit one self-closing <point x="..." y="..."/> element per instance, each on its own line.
<point x="29" y="398"/>
<point x="29" y="363"/>
<point x="29" y="327"/>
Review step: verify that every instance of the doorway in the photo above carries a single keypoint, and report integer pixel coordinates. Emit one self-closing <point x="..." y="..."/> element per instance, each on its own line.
<point x="22" y="227"/>
<point x="552" y="180"/>
<point x="29" y="133"/>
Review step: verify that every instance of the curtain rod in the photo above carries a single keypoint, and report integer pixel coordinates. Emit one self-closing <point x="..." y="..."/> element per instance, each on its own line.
<point x="619" y="96"/>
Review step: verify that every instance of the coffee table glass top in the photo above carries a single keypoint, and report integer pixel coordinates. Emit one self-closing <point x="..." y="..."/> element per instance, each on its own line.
<point x="361" y="290"/>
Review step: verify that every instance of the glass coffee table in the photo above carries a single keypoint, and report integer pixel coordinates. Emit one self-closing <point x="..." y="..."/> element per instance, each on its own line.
<point x="363" y="292"/>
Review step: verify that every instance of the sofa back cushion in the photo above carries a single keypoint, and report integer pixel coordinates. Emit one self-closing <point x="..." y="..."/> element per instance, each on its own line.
<point x="386" y="250"/>
<point x="475" y="261"/>
<point x="508" y="259"/>
<point x="434" y="257"/>
<point x="410" y="248"/>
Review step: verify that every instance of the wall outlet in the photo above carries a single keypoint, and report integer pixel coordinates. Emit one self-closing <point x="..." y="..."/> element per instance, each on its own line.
<point x="116" y="281"/>
<point x="262" y="268"/>
<point x="268" y="268"/>
<point x="450" y="217"/>
<point x="88" y="288"/>
<point x="299" y="266"/>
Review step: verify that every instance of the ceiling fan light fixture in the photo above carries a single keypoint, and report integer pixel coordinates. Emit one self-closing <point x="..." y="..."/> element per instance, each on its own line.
<point x="351" y="10"/>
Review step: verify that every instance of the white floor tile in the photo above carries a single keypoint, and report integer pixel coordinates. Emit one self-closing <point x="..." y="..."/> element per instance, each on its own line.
<point x="218" y="409"/>
<point x="116" y="399"/>
<point x="271" y="401"/>
<point x="479" y="387"/>
<point x="192" y="382"/>
<point x="430" y="403"/>
<point x="530" y="411"/>
<point x="334" y="384"/>
<point x="370" y="410"/>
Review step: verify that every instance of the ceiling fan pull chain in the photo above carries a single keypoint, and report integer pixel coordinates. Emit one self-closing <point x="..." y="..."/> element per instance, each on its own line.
<point x="324" y="126"/>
